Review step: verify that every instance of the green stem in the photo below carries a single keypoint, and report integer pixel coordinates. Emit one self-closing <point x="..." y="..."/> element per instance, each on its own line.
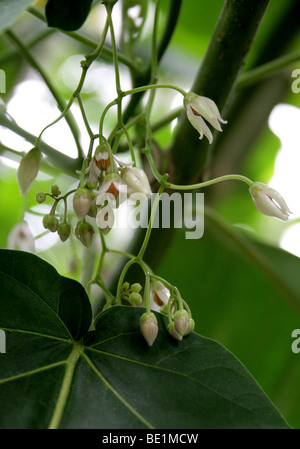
<point x="122" y="277"/>
<point x="59" y="159"/>
<point x="137" y="90"/>
<point x="152" y="216"/>
<point x="147" y="293"/>
<point x="116" y="63"/>
<point x="210" y="182"/>
<point x="85" y="120"/>
<point x="267" y="69"/>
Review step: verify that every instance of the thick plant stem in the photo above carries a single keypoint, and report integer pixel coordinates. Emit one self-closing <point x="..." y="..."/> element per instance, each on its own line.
<point x="223" y="62"/>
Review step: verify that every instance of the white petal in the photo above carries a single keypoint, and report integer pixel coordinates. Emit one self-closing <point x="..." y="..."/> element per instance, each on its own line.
<point x="199" y="124"/>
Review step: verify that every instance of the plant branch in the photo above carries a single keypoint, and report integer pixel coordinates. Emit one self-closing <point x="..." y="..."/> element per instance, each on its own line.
<point x="58" y="159"/>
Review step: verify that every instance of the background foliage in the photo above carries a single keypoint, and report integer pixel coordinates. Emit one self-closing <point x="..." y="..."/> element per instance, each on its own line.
<point x="241" y="285"/>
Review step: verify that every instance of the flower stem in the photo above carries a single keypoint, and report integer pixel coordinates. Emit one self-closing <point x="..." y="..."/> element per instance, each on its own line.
<point x="153" y="212"/>
<point x="210" y="182"/>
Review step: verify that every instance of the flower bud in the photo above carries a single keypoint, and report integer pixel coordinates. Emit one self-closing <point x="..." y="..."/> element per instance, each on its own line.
<point x="64" y="230"/>
<point x="136" y="288"/>
<point x="55" y="190"/>
<point x="105" y="218"/>
<point x="82" y="202"/>
<point x="135" y="298"/>
<point x="181" y="321"/>
<point x="137" y="181"/>
<point x="40" y="197"/>
<point x="28" y="169"/>
<point x="85" y="233"/>
<point x="172" y="331"/>
<point x="191" y="327"/>
<point x="149" y="327"/>
<point x="93" y="210"/>
<point x="125" y="286"/>
<point x="102" y="154"/>
<point x="50" y="222"/>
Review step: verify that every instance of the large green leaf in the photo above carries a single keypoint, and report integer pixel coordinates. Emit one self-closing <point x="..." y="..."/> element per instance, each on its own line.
<point x="246" y="295"/>
<point x="56" y="373"/>
<point x="10" y="10"/>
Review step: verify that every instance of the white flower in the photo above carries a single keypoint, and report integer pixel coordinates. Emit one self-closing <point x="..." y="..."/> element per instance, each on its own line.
<point x="20" y="238"/>
<point x="137" y="181"/>
<point x="159" y="295"/>
<point x="268" y="201"/>
<point x="114" y="186"/>
<point x="197" y="107"/>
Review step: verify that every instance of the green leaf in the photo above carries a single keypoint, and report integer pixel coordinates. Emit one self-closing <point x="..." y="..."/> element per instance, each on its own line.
<point x="36" y="299"/>
<point x="55" y="373"/>
<point x="68" y="15"/>
<point x="10" y="10"/>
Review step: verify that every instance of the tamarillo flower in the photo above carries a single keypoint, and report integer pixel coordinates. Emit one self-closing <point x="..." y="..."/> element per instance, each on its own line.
<point x="199" y="108"/>
<point x="268" y="201"/>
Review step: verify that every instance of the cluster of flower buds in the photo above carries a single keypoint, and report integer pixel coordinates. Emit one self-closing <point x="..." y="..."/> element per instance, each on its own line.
<point x="131" y="293"/>
<point x="180" y="323"/>
<point x="50" y="221"/>
<point x="113" y="182"/>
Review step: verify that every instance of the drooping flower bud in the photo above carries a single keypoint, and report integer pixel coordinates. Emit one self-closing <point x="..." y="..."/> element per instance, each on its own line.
<point x="102" y="154"/>
<point x="268" y="201"/>
<point x="85" y="232"/>
<point x="173" y="331"/>
<point x="82" y="201"/>
<point x="149" y="327"/>
<point x="191" y="327"/>
<point x="64" y="230"/>
<point x="50" y="222"/>
<point x="199" y="108"/>
<point x="28" y="169"/>
<point x="137" y="181"/>
<point x="105" y="218"/>
<point x="181" y="321"/>
<point x="21" y="238"/>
